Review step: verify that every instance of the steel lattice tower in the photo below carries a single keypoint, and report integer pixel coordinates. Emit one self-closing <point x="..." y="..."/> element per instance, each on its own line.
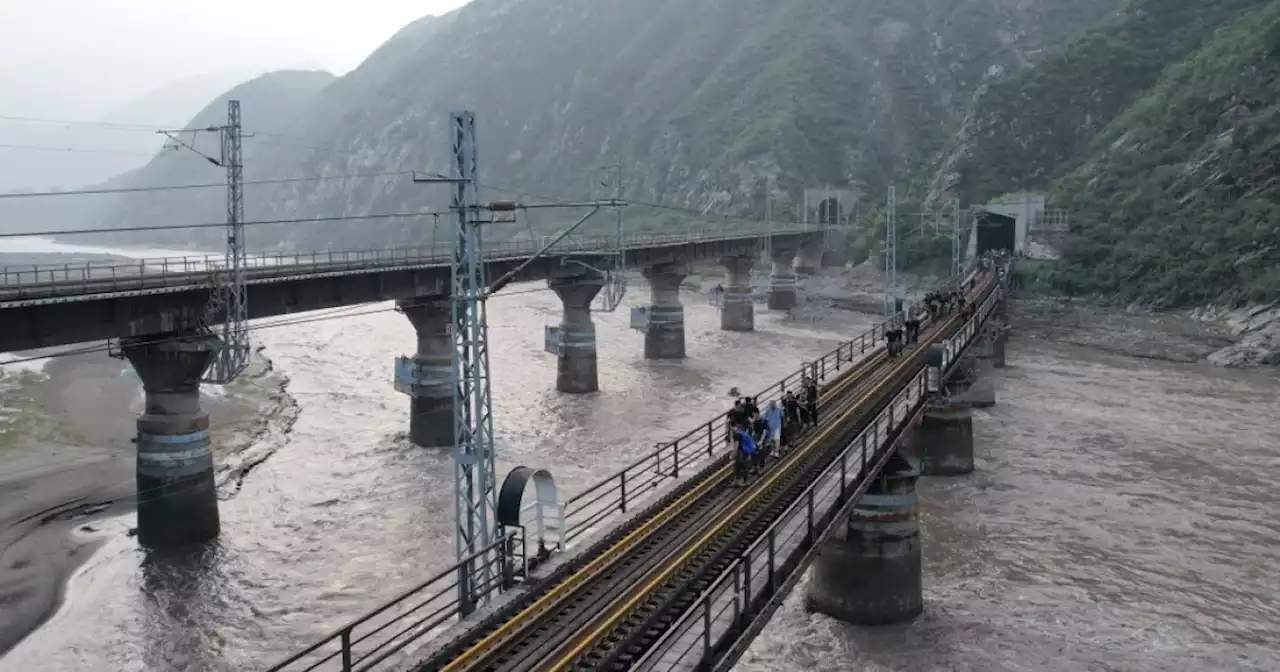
<point x="233" y="356"/>
<point x="891" y="255"/>
<point x="955" y="237"/>
<point x="473" y="457"/>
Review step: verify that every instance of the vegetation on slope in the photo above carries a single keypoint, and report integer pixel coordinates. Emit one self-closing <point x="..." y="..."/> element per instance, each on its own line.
<point x="1177" y="201"/>
<point x="710" y="104"/>
<point x="1029" y="128"/>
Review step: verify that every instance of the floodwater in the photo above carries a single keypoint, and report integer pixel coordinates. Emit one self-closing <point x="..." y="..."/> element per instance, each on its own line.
<point x="344" y="514"/>
<point x="1121" y="516"/>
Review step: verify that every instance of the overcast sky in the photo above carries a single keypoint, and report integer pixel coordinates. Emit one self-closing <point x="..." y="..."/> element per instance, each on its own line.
<point x="84" y="58"/>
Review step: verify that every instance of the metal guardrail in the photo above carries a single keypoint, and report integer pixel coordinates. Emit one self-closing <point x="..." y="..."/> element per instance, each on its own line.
<point x="594" y="509"/>
<point x="384" y="631"/>
<point x="718" y="627"/>
<point x="697" y="635"/>
<point x="105" y="276"/>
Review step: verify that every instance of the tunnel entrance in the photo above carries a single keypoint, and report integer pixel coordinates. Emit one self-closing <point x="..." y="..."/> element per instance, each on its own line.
<point x="996" y="232"/>
<point x="829" y="211"/>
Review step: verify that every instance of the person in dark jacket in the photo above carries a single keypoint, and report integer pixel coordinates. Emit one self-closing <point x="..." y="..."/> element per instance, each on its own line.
<point x="791" y="426"/>
<point x="913" y="330"/>
<point x="811" y="400"/>
<point x="893" y="338"/>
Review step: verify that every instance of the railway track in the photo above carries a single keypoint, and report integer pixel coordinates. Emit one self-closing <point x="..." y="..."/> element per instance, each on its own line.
<point x="607" y="612"/>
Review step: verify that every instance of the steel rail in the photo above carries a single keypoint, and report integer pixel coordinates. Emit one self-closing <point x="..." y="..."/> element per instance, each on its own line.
<point x="651" y="608"/>
<point x="494" y="640"/>
<point x="666" y="515"/>
<point x="602" y="645"/>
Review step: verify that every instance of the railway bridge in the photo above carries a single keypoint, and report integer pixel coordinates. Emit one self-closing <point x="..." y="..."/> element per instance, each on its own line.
<point x="159" y="311"/>
<point x="667" y="565"/>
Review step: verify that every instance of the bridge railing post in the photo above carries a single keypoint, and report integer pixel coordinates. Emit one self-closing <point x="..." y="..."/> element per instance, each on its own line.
<point x="773" y="575"/>
<point x="622" y="501"/>
<point x="346" y="650"/>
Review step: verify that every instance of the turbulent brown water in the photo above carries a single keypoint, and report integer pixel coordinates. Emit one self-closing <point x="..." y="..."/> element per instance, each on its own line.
<point x="1121" y="516"/>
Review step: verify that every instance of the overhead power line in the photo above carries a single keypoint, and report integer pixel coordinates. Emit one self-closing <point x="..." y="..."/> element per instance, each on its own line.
<point x="72" y="150"/>
<point x="96" y="124"/>
<point x="208" y="185"/>
<point x="209" y="225"/>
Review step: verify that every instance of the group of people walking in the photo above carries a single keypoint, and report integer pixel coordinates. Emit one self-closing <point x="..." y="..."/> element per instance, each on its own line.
<point x="899" y="335"/>
<point x="759" y="434"/>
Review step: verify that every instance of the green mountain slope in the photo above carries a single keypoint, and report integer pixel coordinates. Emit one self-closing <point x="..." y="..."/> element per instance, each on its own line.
<point x="708" y="103"/>
<point x="1030" y="128"/>
<point x="1177" y="201"/>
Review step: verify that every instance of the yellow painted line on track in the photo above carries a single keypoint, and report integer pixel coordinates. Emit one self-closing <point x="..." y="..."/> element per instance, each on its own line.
<point x="606" y="558"/>
<point x="748" y="499"/>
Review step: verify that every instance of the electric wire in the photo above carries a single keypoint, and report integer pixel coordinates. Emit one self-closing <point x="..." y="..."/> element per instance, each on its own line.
<point x="95" y="124"/>
<point x="209" y="225"/>
<point x="72" y="150"/>
<point x="204" y="185"/>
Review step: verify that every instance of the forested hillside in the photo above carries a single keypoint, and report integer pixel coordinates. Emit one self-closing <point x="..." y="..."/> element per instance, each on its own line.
<point x="708" y="104"/>
<point x="1177" y="201"/>
<point x="1156" y="131"/>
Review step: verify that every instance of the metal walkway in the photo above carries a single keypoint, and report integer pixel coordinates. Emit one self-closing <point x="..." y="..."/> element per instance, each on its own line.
<point x="687" y="582"/>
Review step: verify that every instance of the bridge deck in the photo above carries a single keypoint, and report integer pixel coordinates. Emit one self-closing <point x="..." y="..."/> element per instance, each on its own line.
<point x="609" y="612"/>
<point x="402" y="633"/>
<point x="174" y="274"/>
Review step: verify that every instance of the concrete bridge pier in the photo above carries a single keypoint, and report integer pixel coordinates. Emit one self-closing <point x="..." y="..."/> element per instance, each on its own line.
<point x="809" y="259"/>
<point x="835" y="254"/>
<point x="982" y="390"/>
<point x="869" y="572"/>
<point x="577" y="368"/>
<point x="738" y="312"/>
<point x="664" y="337"/>
<point x="430" y="380"/>
<point x="944" y="440"/>
<point x="997" y="350"/>
<point x="999" y="335"/>
<point x="177" y="499"/>
<point x="782" y="279"/>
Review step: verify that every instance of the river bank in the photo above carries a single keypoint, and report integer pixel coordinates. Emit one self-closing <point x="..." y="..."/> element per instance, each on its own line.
<point x="1228" y="337"/>
<point x="68" y="467"/>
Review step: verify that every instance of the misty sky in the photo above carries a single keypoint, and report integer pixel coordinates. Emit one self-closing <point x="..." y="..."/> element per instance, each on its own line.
<point x="81" y="59"/>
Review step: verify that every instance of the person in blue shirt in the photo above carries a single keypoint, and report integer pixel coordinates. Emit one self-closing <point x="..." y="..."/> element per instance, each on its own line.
<point x="773" y="418"/>
<point x="742" y="456"/>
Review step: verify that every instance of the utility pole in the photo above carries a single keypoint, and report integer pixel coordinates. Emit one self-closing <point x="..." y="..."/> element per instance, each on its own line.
<point x="234" y="355"/>
<point x="475" y="474"/>
<point x="615" y="287"/>
<point x="891" y="255"/>
<point x="955" y="237"/>
<point x="228" y="291"/>
<point x="768" y="221"/>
